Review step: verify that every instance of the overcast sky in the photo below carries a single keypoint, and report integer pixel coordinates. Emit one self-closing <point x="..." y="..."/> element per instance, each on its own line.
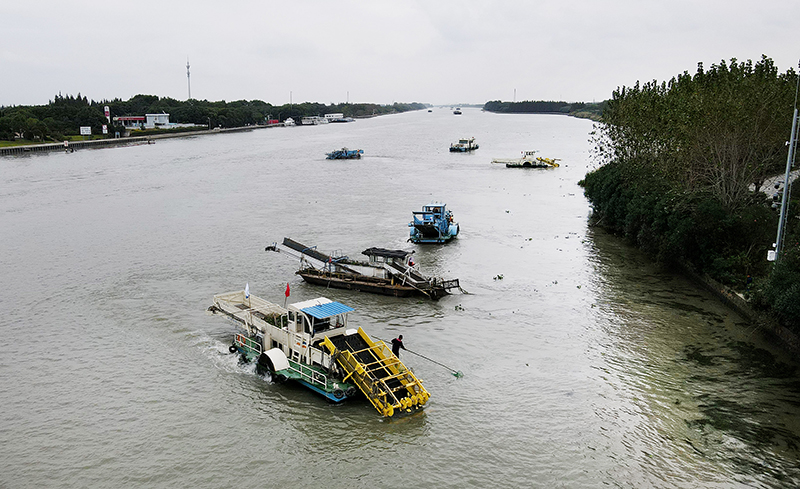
<point x="434" y="51"/>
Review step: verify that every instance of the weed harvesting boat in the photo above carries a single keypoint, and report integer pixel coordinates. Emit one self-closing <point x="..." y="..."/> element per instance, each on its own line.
<point x="433" y="224"/>
<point x="309" y="343"/>
<point x="387" y="272"/>
<point x="528" y="160"/>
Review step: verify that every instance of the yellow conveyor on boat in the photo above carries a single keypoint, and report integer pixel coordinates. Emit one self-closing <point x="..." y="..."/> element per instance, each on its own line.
<point x="381" y="376"/>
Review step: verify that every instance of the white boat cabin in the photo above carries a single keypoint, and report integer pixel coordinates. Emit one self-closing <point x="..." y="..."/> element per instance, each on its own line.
<point x="297" y="330"/>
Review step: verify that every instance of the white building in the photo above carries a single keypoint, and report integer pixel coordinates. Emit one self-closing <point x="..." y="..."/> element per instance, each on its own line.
<point x="157" y="120"/>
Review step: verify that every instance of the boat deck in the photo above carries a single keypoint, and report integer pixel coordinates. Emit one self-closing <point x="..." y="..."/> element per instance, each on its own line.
<point x="378" y="373"/>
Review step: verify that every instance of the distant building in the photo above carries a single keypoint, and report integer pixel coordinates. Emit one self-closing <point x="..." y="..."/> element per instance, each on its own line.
<point x="147" y="121"/>
<point x="157" y="120"/>
<point x="131" y="121"/>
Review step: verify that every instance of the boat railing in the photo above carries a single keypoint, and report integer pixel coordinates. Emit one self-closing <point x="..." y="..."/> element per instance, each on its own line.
<point x="308" y="374"/>
<point x="248" y="344"/>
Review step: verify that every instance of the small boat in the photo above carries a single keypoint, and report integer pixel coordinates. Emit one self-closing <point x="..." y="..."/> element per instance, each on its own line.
<point x="528" y="160"/>
<point x="429" y="110"/>
<point x="313" y="120"/>
<point x="338" y="117"/>
<point x="289" y="122"/>
<point x="344" y="154"/>
<point x="309" y="343"/>
<point x="388" y="272"/>
<point x="464" y="145"/>
<point x="433" y="224"/>
<point x="457" y="111"/>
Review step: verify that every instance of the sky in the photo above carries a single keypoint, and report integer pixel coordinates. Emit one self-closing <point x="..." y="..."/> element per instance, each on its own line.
<point x="376" y="51"/>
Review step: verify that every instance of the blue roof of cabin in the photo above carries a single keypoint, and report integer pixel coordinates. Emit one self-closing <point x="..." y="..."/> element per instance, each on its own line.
<point x="324" y="311"/>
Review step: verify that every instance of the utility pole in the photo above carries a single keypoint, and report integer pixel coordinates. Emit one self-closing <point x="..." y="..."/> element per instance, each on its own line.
<point x="188" y="79"/>
<point x="787" y="189"/>
<point x="774" y="255"/>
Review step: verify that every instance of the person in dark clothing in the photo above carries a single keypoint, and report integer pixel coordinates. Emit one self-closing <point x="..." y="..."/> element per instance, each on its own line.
<point x="397" y="343"/>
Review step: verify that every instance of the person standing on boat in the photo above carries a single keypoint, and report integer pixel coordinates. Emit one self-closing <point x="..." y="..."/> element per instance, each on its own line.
<point x="397" y="343"/>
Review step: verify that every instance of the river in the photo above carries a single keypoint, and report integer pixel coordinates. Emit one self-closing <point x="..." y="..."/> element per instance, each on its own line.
<point x="585" y="365"/>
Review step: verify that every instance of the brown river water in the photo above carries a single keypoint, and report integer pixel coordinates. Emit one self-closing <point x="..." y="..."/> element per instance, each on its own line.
<point x="585" y="365"/>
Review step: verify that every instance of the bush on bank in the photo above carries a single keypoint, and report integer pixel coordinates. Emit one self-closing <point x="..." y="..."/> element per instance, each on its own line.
<point x="678" y="161"/>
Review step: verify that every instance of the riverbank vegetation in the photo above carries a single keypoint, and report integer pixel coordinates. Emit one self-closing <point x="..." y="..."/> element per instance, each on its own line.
<point x="63" y="116"/>
<point x="682" y="171"/>
<point x="592" y="111"/>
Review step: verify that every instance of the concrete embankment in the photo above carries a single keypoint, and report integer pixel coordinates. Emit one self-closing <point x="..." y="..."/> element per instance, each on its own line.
<point x="739" y="304"/>
<point x="103" y="143"/>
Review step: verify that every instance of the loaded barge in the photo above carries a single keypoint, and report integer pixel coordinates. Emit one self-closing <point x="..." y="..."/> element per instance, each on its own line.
<point x="309" y="343"/>
<point x="388" y="272"/>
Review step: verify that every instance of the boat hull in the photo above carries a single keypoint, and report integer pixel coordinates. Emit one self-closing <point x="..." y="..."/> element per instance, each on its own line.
<point x="382" y="288"/>
<point x="334" y="391"/>
<point x="377" y="286"/>
<point x="427" y="233"/>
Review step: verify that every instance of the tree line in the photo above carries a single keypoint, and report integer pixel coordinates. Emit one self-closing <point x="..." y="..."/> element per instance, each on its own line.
<point x="64" y="115"/>
<point x="579" y="109"/>
<point x="682" y="169"/>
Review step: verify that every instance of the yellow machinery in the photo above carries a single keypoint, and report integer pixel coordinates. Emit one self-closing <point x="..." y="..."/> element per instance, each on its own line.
<point x="379" y="374"/>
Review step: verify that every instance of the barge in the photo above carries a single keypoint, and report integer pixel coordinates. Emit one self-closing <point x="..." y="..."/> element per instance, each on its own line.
<point x="310" y="343"/>
<point x="387" y="272"/>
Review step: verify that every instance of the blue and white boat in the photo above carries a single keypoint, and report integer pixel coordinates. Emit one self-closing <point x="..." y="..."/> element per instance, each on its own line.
<point x="433" y="224"/>
<point x="464" y="145"/>
<point x="344" y="154"/>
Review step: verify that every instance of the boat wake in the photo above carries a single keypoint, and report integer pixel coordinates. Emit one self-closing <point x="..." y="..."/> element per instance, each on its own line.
<point x="222" y="359"/>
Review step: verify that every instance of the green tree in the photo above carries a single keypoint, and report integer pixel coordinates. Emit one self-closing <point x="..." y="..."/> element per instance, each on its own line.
<point x="677" y="159"/>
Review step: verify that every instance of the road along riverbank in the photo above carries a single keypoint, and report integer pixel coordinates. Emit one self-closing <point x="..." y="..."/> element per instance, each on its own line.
<point x="102" y="143"/>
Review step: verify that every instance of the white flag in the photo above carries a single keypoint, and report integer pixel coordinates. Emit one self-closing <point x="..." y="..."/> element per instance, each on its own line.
<point x="247" y="290"/>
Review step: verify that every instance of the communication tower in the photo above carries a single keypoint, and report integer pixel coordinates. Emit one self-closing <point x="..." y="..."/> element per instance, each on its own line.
<point x="188" y="78"/>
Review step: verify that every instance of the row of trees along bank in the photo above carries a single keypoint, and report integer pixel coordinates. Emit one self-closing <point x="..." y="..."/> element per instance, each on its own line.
<point x="575" y="109"/>
<point x="64" y="115"/>
<point x="682" y="165"/>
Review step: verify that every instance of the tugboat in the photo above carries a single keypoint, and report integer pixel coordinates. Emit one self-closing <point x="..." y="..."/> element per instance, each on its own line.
<point x="464" y="145"/>
<point x="344" y="154"/>
<point x="388" y="272"/>
<point x="433" y="224"/>
<point x="309" y="343"/>
<point x="528" y="160"/>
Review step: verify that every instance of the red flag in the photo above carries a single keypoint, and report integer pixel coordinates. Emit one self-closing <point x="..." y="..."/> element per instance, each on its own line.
<point x="287" y="290"/>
